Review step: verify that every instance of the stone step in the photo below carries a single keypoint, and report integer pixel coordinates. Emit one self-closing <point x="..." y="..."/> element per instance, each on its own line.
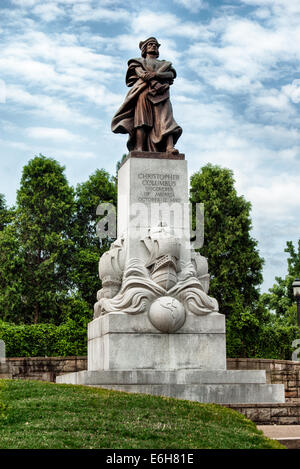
<point x="218" y="386"/>
<point x="208" y="393"/>
<point x="5" y="376"/>
<point x="145" y="377"/>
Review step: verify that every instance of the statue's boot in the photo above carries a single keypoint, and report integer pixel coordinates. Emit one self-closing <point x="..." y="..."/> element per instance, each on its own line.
<point x="170" y="146"/>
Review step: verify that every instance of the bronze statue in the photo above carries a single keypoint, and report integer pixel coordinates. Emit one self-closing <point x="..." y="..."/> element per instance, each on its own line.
<point x="146" y="114"/>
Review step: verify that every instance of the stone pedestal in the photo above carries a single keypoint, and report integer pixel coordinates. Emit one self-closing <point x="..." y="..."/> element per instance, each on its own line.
<point x="155" y="328"/>
<point x="151" y="192"/>
<point x="127" y="353"/>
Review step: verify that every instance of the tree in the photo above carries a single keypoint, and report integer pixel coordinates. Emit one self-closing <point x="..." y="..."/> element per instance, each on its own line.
<point x="120" y="162"/>
<point x="280" y="298"/>
<point x="234" y="261"/>
<point x="6" y="214"/>
<point x="35" y="249"/>
<point x="99" y="188"/>
<point x="3" y="212"/>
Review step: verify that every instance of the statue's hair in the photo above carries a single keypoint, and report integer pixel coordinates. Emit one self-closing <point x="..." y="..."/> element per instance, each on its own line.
<point x="143" y="45"/>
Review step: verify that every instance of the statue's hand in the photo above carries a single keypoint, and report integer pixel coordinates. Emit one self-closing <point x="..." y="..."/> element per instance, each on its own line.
<point x="149" y="76"/>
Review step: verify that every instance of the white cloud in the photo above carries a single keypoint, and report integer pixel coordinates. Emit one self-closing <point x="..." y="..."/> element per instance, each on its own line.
<point x="51" y="151"/>
<point x="233" y="84"/>
<point x="2" y="91"/>
<point x="54" y="134"/>
<point x="60" y="52"/>
<point x="278" y="136"/>
<point x="8" y="126"/>
<point x="186" y="87"/>
<point x="61" y="65"/>
<point x="193" y="5"/>
<point x="148" y="23"/>
<point x="70" y="154"/>
<point x="47" y="107"/>
<point x="293" y="91"/>
<point x="16" y="145"/>
<point x="289" y="7"/>
<point x="274" y="99"/>
<point x="83" y="12"/>
<point x="262" y="13"/>
<point x="25" y="3"/>
<point x="278" y="199"/>
<point x="242" y="54"/>
<point x="48" y="11"/>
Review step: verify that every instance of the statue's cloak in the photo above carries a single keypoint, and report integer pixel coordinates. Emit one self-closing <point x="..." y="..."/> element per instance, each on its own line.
<point x="155" y="95"/>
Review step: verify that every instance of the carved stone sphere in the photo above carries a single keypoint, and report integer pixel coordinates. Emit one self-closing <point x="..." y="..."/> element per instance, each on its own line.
<point x="167" y="314"/>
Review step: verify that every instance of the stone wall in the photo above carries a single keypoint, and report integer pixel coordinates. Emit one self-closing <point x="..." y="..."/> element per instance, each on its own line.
<point x="270" y="414"/>
<point x="41" y="368"/>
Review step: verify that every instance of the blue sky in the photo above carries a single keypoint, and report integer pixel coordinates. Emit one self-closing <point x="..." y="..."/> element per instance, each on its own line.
<point x="237" y="95"/>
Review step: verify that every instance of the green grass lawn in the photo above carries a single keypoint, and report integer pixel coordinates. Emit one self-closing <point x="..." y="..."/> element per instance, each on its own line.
<point x="35" y="414"/>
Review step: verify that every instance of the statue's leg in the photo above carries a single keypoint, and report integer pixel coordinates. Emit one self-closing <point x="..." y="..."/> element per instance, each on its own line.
<point x="143" y="121"/>
<point x="170" y="145"/>
<point x="140" y="138"/>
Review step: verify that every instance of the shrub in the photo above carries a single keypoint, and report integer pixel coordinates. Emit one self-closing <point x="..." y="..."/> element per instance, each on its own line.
<point x="270" y="339"/>
<point x="45" y="340"/>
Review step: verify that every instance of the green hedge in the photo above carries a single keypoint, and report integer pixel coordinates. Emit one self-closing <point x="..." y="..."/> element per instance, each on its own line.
<point x="270" y="340"/>
<point x="45" y="340"/>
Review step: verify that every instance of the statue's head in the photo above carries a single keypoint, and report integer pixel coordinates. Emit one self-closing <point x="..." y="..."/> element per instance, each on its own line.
<point x="150" y="45"/>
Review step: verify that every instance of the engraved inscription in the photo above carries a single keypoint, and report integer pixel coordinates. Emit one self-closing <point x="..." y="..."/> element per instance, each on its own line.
<point x="158" y="188"/>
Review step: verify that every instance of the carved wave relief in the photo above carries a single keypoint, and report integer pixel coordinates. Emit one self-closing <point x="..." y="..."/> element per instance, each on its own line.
<point x="133" y="287"/>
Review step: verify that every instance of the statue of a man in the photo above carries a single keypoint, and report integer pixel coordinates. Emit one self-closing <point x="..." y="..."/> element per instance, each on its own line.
<point x="146" y="114"/>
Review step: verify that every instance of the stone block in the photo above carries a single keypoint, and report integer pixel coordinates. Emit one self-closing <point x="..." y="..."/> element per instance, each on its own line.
<point x="279" y="366"/>
<point x="231" y="364"/>
<point x="291" y="394"/>
<point x="279" y="412"/>
<point x="157" y="351"/>
<point x="197" y="385"/>
<point x="185" y="376"/>
<point x="199" y="343"/>
<point x="294" y="410"/>
<point x="213" y="323"/>
<point x="219" y="394"/>
<point x="243" y="365"/>
<point x="288" y="420"/>
<point x="265" y="364"/>
<point x="258" y="414"/>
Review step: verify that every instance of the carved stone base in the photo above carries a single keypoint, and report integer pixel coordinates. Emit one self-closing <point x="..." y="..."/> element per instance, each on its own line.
<point x="127" y="353"/>
<point x="118" y="341"/>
